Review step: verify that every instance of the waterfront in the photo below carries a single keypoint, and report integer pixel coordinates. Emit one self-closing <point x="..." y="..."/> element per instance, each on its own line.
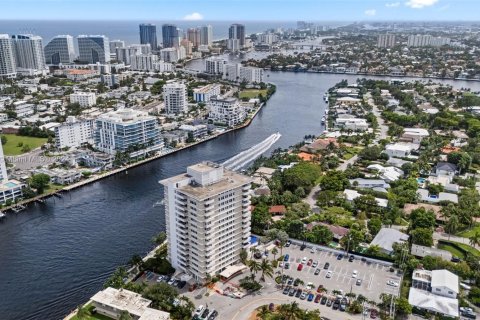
<point x="55" y="256"/>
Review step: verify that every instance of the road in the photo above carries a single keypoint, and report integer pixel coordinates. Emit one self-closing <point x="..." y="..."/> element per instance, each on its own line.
<point x="383" y="129"/>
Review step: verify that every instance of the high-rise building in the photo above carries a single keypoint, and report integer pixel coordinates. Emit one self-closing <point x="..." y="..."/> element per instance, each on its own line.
<point x="143" y="62"/>
<point x="73" y="133"/>
<point x="8" y="68"/>
<point x="207" y="213"/>
<point x="227" y="111"/>
<point x="175" y="98"/>
<point x="237" y="31"/>
<point x="386" y="40"/>
<point x="29" y="52"/>
<point x="148" y="35"/>
<point x="170" y="36"/>
<point x="93" y="49"/>
<point x="214" y="65"/>
<point x="206" y="35"/>
<point x="419" y="40"/>
<point x="173" y="54"/>
<point x="127" y="130"/>
<point x="125" y="54"/>
<point x="236" y="72"/>
<point x="84" y="99"/>
<point x="60" y="50"/>
<point x="114" y="44"/>
<point x="193" y="35"/>
<point x="9" y="189"/>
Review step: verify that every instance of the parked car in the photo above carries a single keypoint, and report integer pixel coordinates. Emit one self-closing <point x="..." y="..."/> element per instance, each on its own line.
<point x="304" y="260"/>
<point x="257" y="255"/>
<point x="343" y="307"/>
<point x="373" y="314"/>
<point x="354" y="274"/>
<point x="271" y="307"/>
<point x="290" y="282"/>
<point x="336" y="305"/>
<point x="455" y="259"/>
<point x="340" y="257"/>
<point x="326" y="266"/>
<point x="351" y="258"/>
<point x="286" y="290"/>
<point x="309" y="263"/>
<point x="181" y="284"/>
<point x="329" y="274"/>
<point x="298" y="293"/>
<point x="287" y="265"/>
<point x="288" y="243"/>
<point x="200" y="309"/>
<point x="317" y="272"/>
<point x="205" y="313"/>
<point x="213" y="315"/>
<point x="358" y="282"/>
<point x="315" y="264"/>
<point x="318" y="297"/>
<point x="324" y="300"/>
<point x="329" y="303"/>
<point x="303" y="296"/>
<point x="393" y="283"/>
<point x="302" y="247"/>
<point x="320" y="288"/>
<point x="292" y="292"/>
<point x="310" y="297"/>
<point x="300" y="267"/>
<point x="287" y="257"/>
<point x="171" y="281"/>
<point x="312" y="250"/>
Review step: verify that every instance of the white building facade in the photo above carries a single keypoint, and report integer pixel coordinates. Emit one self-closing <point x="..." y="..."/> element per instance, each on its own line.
<point x="73" y="133"/>
<point x="8" y="67"/>
<point x="226" y="111"/>
<point x="175" y="98"/>
<point x="208" y="217"/>
<point x="85" y="99"/>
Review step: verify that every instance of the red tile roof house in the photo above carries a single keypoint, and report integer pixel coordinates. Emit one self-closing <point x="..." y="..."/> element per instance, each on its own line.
<point x="318" y="145"/>
<point x="277" y="210"/>
<point x="338" y="232"/>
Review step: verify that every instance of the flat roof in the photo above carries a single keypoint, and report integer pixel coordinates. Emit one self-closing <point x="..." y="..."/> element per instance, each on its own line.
<point x="439" y="304"/>
<point x="121" y="299"/>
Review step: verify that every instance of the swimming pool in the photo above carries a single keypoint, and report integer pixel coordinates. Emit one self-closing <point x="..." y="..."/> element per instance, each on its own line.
<point x="421" y="180"/>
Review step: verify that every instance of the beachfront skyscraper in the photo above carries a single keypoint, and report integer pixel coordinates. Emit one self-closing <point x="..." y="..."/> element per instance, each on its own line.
<point x="237" y="32"/>
<point x="60" y="50"/>
<point x="93" y="49"/>
<point x="170" y="36"/>
<point x="193" y="35"/>
<point x="148" y="35"/>
<point x="29" y="54"/>
<point x="206" y="35"/>
<point x="207" y="213"/>
<point x="8" y="68"/>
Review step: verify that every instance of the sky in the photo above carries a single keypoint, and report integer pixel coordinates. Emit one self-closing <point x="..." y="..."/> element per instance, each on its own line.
<point x="258" y="10"/>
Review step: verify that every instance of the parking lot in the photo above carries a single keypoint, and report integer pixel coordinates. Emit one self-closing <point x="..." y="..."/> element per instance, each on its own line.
<point x="372" y="277"/>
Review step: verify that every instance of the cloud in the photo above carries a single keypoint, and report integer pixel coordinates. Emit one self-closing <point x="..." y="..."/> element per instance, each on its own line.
<point x="193" y="17"/>
<point x="419" y="4"/>
<point x="392" y="5"/>
<point x="370" y="12"/>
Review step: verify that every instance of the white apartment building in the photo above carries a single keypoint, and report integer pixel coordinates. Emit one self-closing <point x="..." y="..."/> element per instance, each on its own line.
<point x="175" y="98"/>
<point x="207" y="213"/>
<point x="23" y="109"/>
<point x="162" y="66"/>
<point x="143" y="62"/>
<point x="226" y="111"/>
<point x="386" y="40"/>
<point x="419" y="40"/>
<point x="233" y="44"/>
<point x="8" y="67"/>
<point x="29" y="54"/>
<point x="214" y="65"/>
<point x="204" y="94"/>
<point x="85" y="99"/>
<point x="127" y="130"/>
<point x="73" y="133"/>
<point x="268" y="38"/>
<point x="173" y="54"/>
<point x="238" y="73"/>
<point x="9" y="189"/>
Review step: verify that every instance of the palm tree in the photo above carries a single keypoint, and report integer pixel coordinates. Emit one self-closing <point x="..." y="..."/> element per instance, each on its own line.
<point x="452" y="225"/>
<point x="263" y="313"/>
<point x="266" y="268"/>
<point x="82" y="313"/>
<point x="475" y="239"/>
<point x="274" y="252"/>
<point x="290" y="311"/>
<point x="254" y="267"/>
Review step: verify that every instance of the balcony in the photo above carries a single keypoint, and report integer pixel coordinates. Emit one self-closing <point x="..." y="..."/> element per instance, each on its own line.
<point x="209" y="202"/>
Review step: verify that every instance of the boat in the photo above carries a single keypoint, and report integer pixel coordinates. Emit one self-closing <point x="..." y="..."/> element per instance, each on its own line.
<point x="159" y="203"/>
<point x="326" y="111"/>
<point x="2" y="215"/>
<point x="323" y="120"/>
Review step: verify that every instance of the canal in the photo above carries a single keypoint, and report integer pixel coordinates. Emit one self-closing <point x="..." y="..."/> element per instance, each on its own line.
<point x="55" y="256"/>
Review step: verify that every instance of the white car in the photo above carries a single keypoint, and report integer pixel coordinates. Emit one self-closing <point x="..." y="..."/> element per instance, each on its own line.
<point x="312" y="250"/>
<point x="171" y="281"/>
<point x="304" y="260"/>
<point x="329" y="274"/>
<point x="281" y="264"/>
<point x="393" y="283"/>
<point x="354" y="273"/>
<point x="200" y="309"/>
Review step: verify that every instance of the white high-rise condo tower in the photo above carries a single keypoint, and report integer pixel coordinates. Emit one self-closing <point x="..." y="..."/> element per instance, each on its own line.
<point x="175" y="97"/>
<point x="207" y="213"/>
<point x="8" y="68"/>
<point x="29" y="52"/>
<point x="60" y="50"/>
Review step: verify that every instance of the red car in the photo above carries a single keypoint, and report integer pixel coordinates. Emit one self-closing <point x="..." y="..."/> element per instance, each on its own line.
<point x="320" y="288"/>
<point x="309" y="263"/>
<point x="300" y="267"/>
<point x="373" y="314"/>
<point x="317" y="298"/>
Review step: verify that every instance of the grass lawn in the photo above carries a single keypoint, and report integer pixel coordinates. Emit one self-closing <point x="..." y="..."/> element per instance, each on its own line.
<point x="11" y="148"/>
<point x="469" y="232"/>
<point x="456" y="252"/>
<point x="252" y="93"/>
<point x="53" y="187"/>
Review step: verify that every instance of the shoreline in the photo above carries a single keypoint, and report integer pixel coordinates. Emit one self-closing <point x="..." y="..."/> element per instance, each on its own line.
<point x="57" y="193"/>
